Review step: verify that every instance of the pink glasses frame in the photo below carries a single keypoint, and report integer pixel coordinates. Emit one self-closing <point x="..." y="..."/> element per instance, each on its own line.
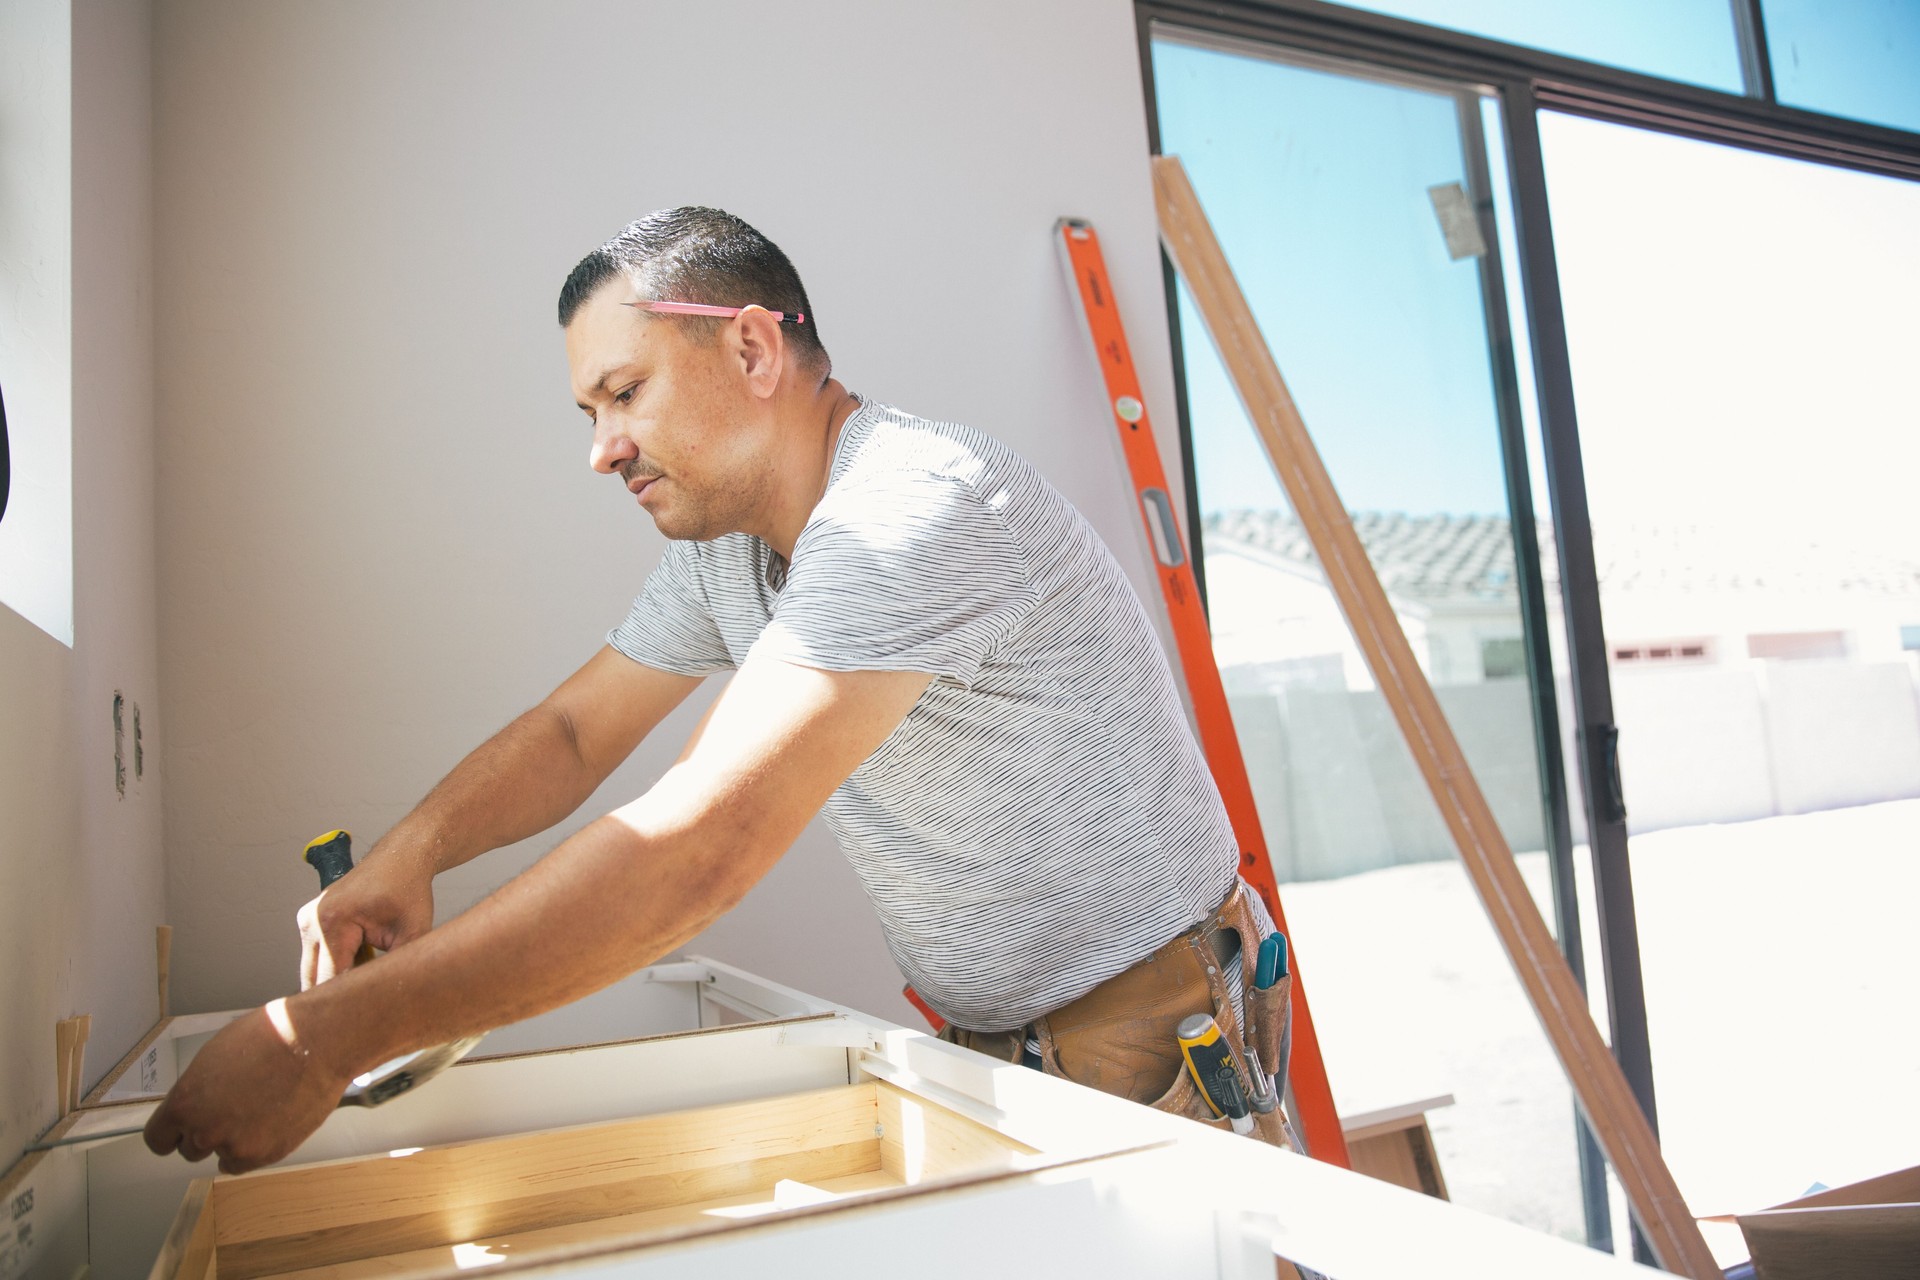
<point x="704" y="309"/>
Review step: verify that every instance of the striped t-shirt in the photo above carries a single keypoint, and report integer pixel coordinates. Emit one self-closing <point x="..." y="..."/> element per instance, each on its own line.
<point x="1043" y="818"/>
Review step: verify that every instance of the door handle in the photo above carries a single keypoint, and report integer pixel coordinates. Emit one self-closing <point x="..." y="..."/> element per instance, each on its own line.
<point x="1604" y="764"/>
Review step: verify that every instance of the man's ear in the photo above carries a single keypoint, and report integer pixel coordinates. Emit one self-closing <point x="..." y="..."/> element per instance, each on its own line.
<point x="761" y="349"/>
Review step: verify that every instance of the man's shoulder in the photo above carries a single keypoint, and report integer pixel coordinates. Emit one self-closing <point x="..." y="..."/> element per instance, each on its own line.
<point x="882" y="440"/>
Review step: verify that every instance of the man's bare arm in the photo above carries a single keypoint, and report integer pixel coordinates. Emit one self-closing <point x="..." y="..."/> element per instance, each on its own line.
<point x="620" y="893"/>
<point x="530" y="775"/>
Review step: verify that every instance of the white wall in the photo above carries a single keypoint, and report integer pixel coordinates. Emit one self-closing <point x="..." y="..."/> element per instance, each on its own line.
<point x="36" y="243"/>
<point x="80" y="864"/>
<point x="379" y="536"/>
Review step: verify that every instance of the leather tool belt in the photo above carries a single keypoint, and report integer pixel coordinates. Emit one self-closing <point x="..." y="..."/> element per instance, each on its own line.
<point x="1119" y="1037"/>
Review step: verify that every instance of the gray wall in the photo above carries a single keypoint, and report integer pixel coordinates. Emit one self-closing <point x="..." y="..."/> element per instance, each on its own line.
<point x="81" y="880"/>
<point x="379" y="536"/>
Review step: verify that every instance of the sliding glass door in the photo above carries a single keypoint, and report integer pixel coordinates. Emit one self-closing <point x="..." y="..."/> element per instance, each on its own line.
<point x="1354" y="211"/>
<point x="1741" y="329"/>
<point x="1693" y="697"/>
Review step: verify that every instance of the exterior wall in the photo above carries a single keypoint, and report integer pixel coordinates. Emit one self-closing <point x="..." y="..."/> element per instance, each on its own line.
<point x="80" y="862"/>
<point x="1339" y="794"/>
<point x="1842" y="733"/>
<point x="379" y="536"/>
<point x="1693" y="746"/>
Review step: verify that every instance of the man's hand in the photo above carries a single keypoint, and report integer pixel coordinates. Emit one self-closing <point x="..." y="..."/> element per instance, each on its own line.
<point x="250" y="1096"/>
<point x="385" y="901"/>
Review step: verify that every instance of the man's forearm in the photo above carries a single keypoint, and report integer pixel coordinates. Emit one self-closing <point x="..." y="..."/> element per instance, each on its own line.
<point x="629" y="887"/>
<point x="614" y="896"/>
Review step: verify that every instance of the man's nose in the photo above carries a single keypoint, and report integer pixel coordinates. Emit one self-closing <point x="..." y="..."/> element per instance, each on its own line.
<point x="611" y="450"/>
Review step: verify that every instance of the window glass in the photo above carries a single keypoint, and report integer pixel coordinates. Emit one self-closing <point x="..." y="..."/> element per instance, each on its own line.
<point x="1740" y="351"/>
<point x="1337" y="201"/>
<point x="1856" y="59"/>
<point x="1687" y="40"/>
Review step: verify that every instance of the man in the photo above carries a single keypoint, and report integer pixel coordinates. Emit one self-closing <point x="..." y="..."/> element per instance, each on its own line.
<point x="929" y="642"/>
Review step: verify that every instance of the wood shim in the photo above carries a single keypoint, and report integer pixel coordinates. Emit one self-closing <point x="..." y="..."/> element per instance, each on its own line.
<point x="1611" y="1111"/>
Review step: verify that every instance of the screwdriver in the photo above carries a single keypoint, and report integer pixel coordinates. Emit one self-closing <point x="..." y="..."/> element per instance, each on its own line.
<point x="1211" y="1063"/>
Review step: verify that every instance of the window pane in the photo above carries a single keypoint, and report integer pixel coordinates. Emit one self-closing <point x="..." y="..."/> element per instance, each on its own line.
<point x="1741" y="348"/>
<point x="1856" y="59"/>
<point x="1332" y="197"/>
<point x="1688" y="40"/>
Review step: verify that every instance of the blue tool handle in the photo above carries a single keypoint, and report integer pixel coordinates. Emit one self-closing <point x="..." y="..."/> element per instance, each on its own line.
<point x="1272" y="964"/>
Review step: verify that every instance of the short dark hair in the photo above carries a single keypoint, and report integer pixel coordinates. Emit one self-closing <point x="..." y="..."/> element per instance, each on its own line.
<point x="694" y="254"/>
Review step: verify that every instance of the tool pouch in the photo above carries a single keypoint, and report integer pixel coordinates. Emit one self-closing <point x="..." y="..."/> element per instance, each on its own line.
<point x="1120" y="1037"/>
<point x="1272" y="1018"/>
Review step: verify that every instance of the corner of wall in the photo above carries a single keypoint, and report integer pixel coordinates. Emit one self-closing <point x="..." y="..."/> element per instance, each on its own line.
<point x="81" y="872"/>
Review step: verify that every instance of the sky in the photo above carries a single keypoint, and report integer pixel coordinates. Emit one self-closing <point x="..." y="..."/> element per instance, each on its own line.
<point x="1317" y="188"/>
<point x="1735" y="360"/>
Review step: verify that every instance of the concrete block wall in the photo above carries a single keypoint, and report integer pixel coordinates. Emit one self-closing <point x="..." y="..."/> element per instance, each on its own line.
<point x="1339" y="794"/>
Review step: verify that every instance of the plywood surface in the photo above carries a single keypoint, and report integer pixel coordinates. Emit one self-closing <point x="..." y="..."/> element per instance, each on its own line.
<point x="624" y="1229"/>
<point x="345" y="1210"/>
<point x="920" y="1142"/>
<point x="187" y="1253"/>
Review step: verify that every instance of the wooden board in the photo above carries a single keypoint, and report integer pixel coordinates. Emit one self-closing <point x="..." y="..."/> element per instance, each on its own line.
<point x="188" y="1253"/>
<point x="1863" y="1230"/>
<point x="1395" y="1144"/>
<point x="1844" y="1242"/>
<point x="340" y="1211"/>
<point x="627" y="1230"/>
<point x="1609" y="1105"/>
<point x="1400" y="1152"/>
<point x="920" y="1142"/>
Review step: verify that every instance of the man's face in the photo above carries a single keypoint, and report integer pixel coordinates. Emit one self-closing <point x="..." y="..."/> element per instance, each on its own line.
<point x="672" y="415"/>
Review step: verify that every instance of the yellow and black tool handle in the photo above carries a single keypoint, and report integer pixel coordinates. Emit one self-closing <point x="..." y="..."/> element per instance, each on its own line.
<point x="1214" y="1070"/>
<point x="332" y="856"/>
